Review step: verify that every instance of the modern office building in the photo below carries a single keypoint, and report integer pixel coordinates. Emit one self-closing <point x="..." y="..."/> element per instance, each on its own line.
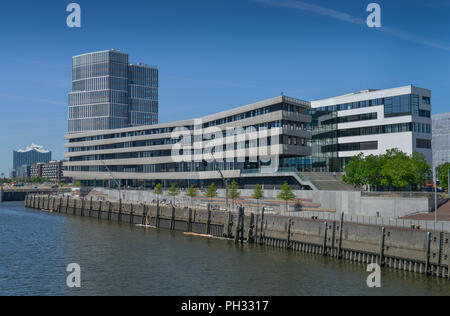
<point x="371" y="122"/>
<point x="109" y="93"/>
<point x="441" y="139"/>
<point x="264" y="142"/>
<point x="53" y="170"/>
<point x="31" y="155"/>
<point x="271" y="142"/>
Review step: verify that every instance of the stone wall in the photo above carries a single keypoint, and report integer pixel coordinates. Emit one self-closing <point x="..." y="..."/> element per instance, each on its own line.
<point x="406" y="249"/>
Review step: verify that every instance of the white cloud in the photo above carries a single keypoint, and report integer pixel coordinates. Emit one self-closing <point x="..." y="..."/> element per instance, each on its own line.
<point x="342" y="16"/>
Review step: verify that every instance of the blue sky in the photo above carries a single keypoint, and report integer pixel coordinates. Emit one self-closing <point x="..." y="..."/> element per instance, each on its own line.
<point x="214" y="55"/>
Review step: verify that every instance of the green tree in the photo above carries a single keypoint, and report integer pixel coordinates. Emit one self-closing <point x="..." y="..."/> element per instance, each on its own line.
<point x="233" y="192"/>
<point x="158" y="190"/>
<point x="442" y="174"/>
<point x="174" y="191"/>
<point x="421" y="170"/>
<point x="354" y="171"/>
<point x="396" y="170"/>
<point x="212" y="191"/>
<point x="192" y="192"/>
<point x="286" y="194"/>
<point x="258" y="194"/>
<point x="78" y="184"/>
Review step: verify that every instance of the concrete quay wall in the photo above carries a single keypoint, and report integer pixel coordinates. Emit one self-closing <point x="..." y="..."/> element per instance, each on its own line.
<point x="348" y="202"/>
<point x="413" y="250"/>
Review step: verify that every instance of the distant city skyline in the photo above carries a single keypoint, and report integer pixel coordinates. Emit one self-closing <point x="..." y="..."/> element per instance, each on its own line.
<point x="216" y="55"/>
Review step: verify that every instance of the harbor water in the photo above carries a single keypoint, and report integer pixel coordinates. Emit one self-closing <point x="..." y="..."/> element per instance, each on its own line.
<point x="120" y="259"/>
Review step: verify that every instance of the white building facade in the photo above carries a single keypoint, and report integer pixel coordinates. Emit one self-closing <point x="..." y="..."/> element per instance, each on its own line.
<point x="370" y="122"/>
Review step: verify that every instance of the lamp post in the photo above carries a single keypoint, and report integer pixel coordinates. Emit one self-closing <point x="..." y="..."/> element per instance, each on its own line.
<point x="435" y="196"/>
<point x="225" y="180"/>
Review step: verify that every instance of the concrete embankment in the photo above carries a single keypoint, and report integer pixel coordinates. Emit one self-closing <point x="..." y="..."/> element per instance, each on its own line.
<point x="19" y="194"/>
<point x="393" y="247"/>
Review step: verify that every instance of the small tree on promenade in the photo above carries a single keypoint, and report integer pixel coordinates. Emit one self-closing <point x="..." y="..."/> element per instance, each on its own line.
<point x="258" y="194"/>
<point x="212" y="191"/>
<point x="174" y="191"/>
<point x="158" y="190"/>
<point x="233" y="192"/>
<point x="192" y="193"/>
<point x="286" y="194"/>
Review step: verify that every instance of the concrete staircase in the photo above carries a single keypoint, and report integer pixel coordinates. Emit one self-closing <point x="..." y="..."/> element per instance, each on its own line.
<point x="327" y="182"/>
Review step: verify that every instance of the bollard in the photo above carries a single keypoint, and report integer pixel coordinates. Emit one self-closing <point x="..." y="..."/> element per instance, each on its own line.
<point x="172" y="219"/>
<point x="208" y="223"/>
<point x="82" y="207"/>
<point x="288" y="244"/>
<point x="230" y="225"/>
<point x="251" y="230"/>
<point x="144" y="215"/>
<point x="242" y="228"/>
<point x="131" y="214"/>
<point x="325" y="237"/>
<point x="119" y="218"/>
<point x="382" y="242"/>
<point x="441" y="249"/>
<point x="189" y="223"/>
<point x="261" y="237"/>
<point x="157" y="214"/>
<point x="427" y="260"/>
<point x="99" y="215"/>
<point x="238" y="224"/>
<point x="109" y="210"/>
<point x="341" y="230"/>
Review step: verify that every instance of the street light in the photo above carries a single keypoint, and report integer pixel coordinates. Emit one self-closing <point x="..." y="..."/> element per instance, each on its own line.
<point x="225" y="181"/>
<point x="114" y="178"/>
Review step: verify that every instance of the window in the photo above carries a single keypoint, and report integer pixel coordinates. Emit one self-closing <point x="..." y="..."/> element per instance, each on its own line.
<point x="423" y="143"/>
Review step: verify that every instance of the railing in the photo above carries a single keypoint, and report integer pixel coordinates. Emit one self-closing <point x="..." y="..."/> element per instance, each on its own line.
<point x="401" y="194"/>
<point x="303" y="178"/>
<point x="371" y="220"/>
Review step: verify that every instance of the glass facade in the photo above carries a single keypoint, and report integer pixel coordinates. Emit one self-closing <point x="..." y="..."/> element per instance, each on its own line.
<point x="441" y="139"/>
<point x="109" y="93"/>
<point x="326" y="134"/>
<point x="31" y="155"/>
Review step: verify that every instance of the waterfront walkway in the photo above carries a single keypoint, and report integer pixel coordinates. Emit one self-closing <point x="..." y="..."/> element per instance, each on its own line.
<point x="443" y="214"/>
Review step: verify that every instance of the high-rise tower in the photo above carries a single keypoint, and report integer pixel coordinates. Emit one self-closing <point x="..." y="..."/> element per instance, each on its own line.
<point x="109" y="93"/>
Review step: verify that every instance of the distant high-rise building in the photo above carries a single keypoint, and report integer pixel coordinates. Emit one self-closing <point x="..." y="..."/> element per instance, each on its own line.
<point x="441" y="139"/>
<point x="31" y="155"/>
<point x="109" y="93"/>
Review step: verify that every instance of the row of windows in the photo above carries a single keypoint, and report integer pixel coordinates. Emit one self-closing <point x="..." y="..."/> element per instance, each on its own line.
<point x="291" y="108"/>
<point x="168" y="141"/>
<point x="97" y="110"/>
<point x="168" y="130"/>
<point x="351" y="118"/>
<point x="386" y="129"/>
<point x="99" y="123"/>
<point x="245" y="144"/>
<point x="141" y="118"/>
<point x="105" y="96"/>
<point x="101" y="57"/>
<point x="100" y="83"/>
<point x="237" y="164"/>
<point x="100" y="70"/>
<point x="423" y="143"/>
<point x="141" y="105"/>
<point x="373" y="102"/>
<point x="401" y="105"/>
<point x="142" y="92"/>
<point x="143" y="76"/>
<point x="298" y="126"/>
